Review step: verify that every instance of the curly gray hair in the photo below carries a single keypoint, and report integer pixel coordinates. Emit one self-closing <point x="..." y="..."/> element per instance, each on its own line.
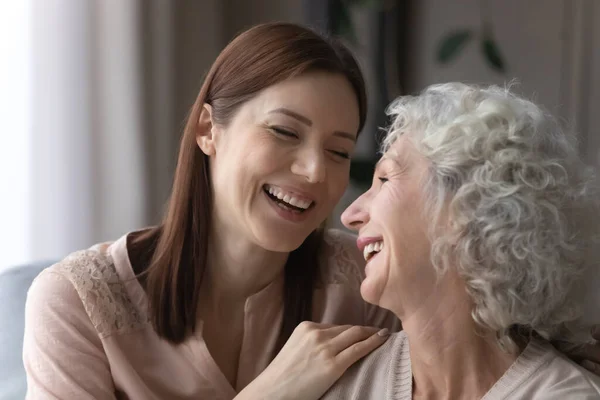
<point x="521" y="215"/>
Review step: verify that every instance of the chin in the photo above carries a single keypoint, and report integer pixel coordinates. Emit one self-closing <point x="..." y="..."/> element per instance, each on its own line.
<point x="282" y="242"/>
<point x="370" y="292"/>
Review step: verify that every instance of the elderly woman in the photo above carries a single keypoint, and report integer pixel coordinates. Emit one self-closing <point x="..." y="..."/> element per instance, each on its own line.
<point x="475" y="232"/>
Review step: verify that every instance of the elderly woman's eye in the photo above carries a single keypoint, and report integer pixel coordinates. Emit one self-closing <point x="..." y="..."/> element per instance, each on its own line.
<point x="383" y="180"/>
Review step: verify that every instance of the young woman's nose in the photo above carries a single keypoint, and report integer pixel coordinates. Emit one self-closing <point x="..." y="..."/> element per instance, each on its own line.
<point x="310" y="163"/>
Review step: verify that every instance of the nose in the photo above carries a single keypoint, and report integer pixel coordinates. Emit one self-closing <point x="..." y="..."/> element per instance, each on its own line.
<point x="310" y="163"/>
<point x="356" y="215"/>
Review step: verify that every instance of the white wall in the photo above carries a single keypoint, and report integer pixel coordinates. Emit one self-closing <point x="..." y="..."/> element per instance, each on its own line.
<point x="15" y="137"/>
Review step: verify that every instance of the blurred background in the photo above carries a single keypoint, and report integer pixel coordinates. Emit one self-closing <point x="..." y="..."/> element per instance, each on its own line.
<point x="94" y="93"/>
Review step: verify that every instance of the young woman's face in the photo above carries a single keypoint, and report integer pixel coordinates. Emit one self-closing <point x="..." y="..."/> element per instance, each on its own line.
<point x="282" y="163"/>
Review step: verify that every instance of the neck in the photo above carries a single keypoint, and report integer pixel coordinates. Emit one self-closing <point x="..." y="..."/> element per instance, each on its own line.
<point x="449" y="357"/>
<point x="236" y="269"/>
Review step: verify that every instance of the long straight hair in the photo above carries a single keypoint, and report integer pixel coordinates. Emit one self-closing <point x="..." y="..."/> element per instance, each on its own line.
<point x="170" y="259"/>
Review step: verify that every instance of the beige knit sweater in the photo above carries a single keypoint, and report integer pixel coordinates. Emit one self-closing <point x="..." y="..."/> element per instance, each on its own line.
<point x="540" y="372"/>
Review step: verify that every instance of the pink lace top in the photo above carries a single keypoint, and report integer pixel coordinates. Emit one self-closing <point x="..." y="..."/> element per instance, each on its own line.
<point x="88" y="336"/>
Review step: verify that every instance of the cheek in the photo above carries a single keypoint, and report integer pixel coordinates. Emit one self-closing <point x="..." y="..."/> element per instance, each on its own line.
<point x="377" y="282"/>
<point x="372" y="290"/>
<point x="256" y="159"/>
<point x="395" y="214"/>
<point x="338" y="182"/>
<point x="411" y="263"/>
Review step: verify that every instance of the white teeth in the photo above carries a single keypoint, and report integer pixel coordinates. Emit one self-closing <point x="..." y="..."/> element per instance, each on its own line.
<point x="289" y="199"/>
<point x="305" y="204"/>
<point x="295" y="202"/>
<point x="371" y="249"/>
<point x="299" y="203"/>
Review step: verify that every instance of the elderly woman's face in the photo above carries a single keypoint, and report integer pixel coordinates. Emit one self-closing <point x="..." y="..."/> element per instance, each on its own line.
<point x="392" y="230"/>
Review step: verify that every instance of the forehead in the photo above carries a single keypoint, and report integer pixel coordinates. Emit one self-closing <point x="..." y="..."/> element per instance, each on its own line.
<point x="401" y="151"/>
<point x="319" y="82"/>
<point x="316" y="95"/>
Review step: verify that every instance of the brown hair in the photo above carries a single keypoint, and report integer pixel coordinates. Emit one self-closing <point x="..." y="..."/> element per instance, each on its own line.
<point x="171" y="257"/>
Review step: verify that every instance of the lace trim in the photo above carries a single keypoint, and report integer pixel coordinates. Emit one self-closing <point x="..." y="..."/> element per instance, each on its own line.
<point x="95" y="278"/>
<point x="340" y="260"/>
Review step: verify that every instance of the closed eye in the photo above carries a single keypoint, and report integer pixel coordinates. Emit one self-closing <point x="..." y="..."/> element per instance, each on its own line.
<point x="283" y="132"/>
<point x="383" y="180"/>
<point x="340" y="154"/>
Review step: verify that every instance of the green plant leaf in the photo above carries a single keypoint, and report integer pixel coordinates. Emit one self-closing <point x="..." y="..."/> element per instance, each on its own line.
<point x="491" y="51"/>
<point x="451" y="45"/>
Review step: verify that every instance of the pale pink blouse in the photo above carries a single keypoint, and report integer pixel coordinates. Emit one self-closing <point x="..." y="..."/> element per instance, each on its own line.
<point x="88" y="336"/>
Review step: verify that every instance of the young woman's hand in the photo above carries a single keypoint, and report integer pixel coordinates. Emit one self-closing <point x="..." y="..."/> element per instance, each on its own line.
<point x="314" y="357"/>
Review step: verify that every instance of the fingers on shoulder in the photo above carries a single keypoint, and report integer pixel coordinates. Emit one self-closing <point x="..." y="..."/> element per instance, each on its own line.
<point x="364" y="342"/>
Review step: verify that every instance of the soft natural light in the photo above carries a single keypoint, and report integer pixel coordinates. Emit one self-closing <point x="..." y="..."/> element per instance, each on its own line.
<point x="15" y="86"/>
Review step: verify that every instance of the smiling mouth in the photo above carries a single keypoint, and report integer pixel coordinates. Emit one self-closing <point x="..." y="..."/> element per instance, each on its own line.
<point x="287" y="201"/>
<point x="372" y="249"/>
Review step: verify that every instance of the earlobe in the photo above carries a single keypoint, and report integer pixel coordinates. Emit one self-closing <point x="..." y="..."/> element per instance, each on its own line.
<point x="204" y="132"/>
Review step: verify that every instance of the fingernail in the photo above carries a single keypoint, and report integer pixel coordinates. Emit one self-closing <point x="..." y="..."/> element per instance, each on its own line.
<point x="384" y="332"/>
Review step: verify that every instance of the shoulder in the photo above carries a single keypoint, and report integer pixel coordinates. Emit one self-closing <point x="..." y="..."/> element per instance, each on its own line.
<point x="542" y="372"/>
<point x="85" y="269"/>
<point x="565" y="378"/>
<point x="383" y="374"/>
<point x="341" y="261"/>
<point x="88" y="279"/>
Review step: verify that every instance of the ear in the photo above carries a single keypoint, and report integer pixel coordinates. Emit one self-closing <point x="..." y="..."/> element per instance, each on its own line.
<point x="205" y="135"/>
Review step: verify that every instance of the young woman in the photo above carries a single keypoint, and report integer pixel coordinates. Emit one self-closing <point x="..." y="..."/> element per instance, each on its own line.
<point x="199" y="306"/>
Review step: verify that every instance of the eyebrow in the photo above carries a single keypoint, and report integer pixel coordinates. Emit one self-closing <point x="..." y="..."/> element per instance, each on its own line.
<point x="396" y="160"/>
<point x="308" y="122"/>
<point x="292" y="114"/>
